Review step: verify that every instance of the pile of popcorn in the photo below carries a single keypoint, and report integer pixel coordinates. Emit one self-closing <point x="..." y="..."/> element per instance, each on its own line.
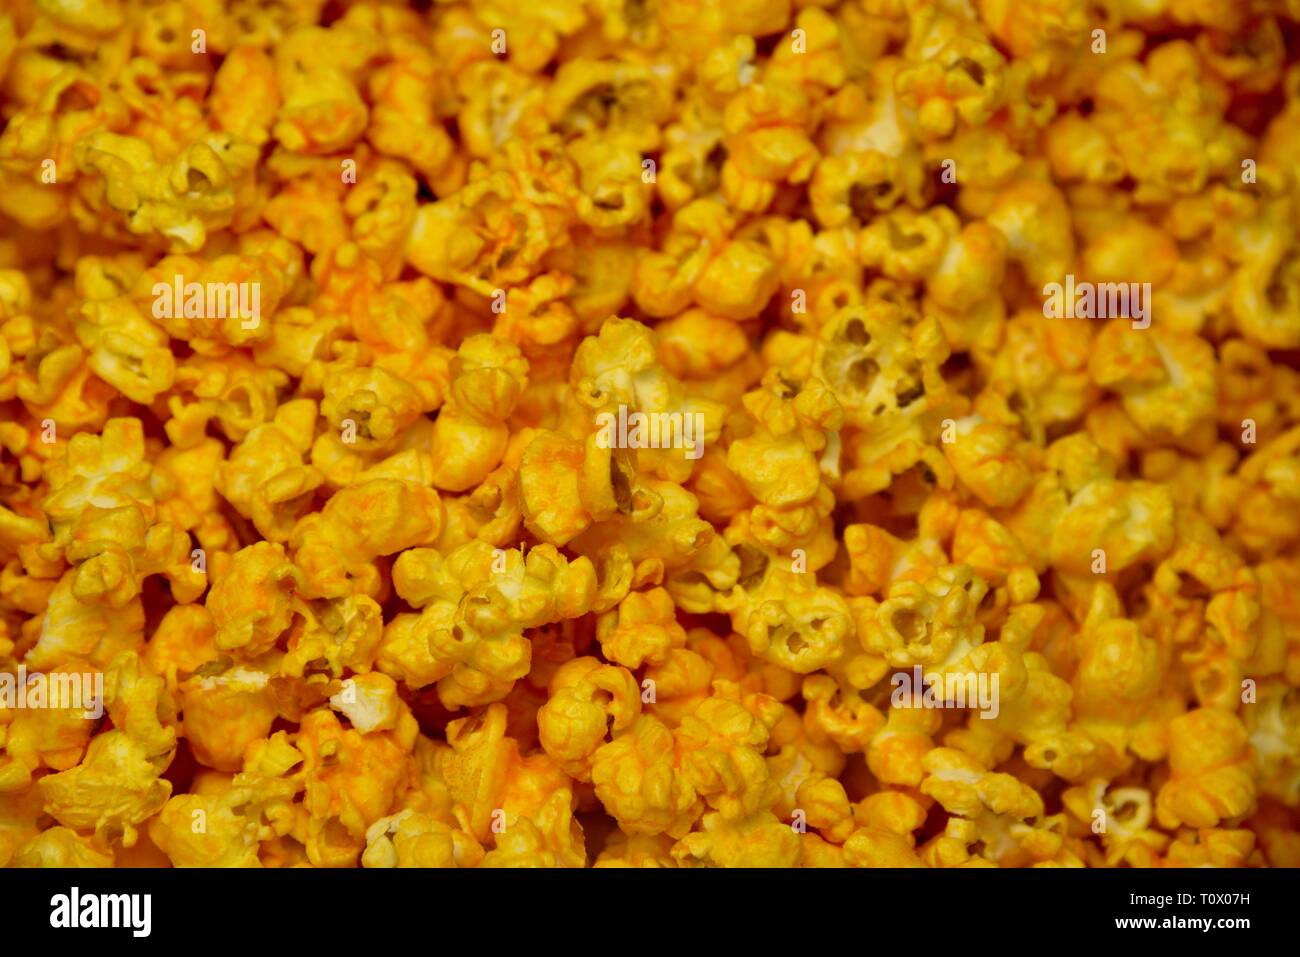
<point x="611" y="433"/>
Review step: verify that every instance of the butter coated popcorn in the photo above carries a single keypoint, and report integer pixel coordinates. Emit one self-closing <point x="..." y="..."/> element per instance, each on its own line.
<point x="722" y="434"/>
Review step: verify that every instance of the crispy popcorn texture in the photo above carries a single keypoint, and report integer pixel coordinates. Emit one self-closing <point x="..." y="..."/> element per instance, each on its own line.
<point x="367" y="584"/>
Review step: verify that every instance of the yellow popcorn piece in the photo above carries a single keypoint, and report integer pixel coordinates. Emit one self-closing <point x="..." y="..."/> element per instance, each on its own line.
<point x="550" y="838"/>
<point x="874" y="847"/>
<point x="114" y="789"/>
<point x="178" y="199"/>
<point x="1127" y="814"/>
<point x="412" y="839"/>
<point x="1127" y="521"/>
<point x="339" y="544"/>
<point x="60" y="847"/>
<point x="1210" y="766"/>
<point x="470" y="435"/>
<point x="636" y="850"/>
<point x="205" y="831"/>
<point x="251" y="604"/>
<point x="350" y="781"/>
<point x="227" y="709"/>
<point x="896" y="753"/>
<point x="477" y="603"/>
<point x="720" y="746"/>
<point x="639" y="780"/>
<point x="930" y="622"/>
<point x="643" y="628"/>
<point x="70" y="628"/>
<point x="586" y="696"/>
<point x="786" y="620"/>
<point x="756" y="841"/>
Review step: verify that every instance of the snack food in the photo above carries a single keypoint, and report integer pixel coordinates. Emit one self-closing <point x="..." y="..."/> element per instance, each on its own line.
<point x="667" y="433"/>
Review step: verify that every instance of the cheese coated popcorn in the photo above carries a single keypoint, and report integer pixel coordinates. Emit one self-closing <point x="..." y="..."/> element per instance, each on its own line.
<point x="758" y="434"/>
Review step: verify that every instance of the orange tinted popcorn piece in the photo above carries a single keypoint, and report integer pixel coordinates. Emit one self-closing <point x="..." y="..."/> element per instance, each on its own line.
<point x="1212" y="777"/>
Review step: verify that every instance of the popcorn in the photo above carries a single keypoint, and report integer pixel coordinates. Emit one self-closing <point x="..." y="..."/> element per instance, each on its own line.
<point x="127" y="189"/>
<point x="637" y="850"/>
<point x="699" y="265"/>
<point x="586" y="696"/>
<point x="766" y="142"/>
<point x="639" y="780"/>
<point x="1126" y="814"/>
<point x="996" y="806"/>
<point x="114" y="789"/>
<point x="720" y="745"/>
<point x="251" y="605"/>
<point x="551" y="448"/>
<point x="787" y="621"/>
<point x="412" y="839"/>
<point x="1211" y="767"/>
<point x="873" y="847"/>
<point x="226" y="838"/>
<point x="359" y="524"/>
<point x="226" y="710"/>
<point x="757" y="841"/>
<point x="60" y="847"/>
<point x="470" y="435"/>
<point x="929" y="623"/>
<point x="350" y="781"/>
<point x="549" y="839"/>
<point x="476" y="606"/>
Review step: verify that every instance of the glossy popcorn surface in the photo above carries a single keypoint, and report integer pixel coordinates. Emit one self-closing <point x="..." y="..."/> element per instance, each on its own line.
<point x="586" y="433"/>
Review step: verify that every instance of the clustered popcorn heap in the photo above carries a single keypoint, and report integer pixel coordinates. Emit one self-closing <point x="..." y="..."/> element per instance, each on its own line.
<point x="365" y="589"/>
